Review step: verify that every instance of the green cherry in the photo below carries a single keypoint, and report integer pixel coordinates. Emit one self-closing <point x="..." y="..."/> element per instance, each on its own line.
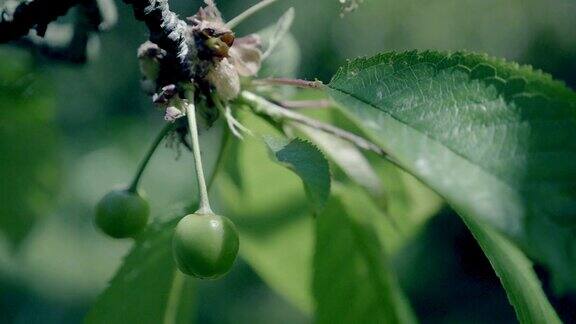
<point x="122" y="213"/>
<point x="205" y="245"/>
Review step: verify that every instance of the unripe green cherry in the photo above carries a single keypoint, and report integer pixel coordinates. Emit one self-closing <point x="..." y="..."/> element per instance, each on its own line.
<point x="205" y="245"/>
<point x="122" y="213"/>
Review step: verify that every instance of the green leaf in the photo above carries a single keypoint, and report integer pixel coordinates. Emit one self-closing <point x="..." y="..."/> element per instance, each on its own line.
<point x="280" y="31"/>
<point x="284" y="60"/>
<point x="230" y="163"/>
<point x="402" y="203"/>
<point x="148" y="288"/>
<point x="493" y="138"/>
<point x="348" y="157"/>
<point x="280" y="252"/>
<point x="29" y="166"/>
<point x="407" y="202"/>
<point x="353" y="280"/>
<point x="277" y="230"/>
<point x="516" y="274"/>
<point x="307" y="162"/>
<point x="273" y="218"/>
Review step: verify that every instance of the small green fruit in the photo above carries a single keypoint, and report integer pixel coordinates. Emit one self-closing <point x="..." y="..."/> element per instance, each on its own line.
<point x="122" y="213"/>
<point x="205" y="245"/>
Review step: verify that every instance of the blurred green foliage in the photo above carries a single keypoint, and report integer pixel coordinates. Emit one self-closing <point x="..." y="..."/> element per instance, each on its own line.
<point x="28" y="144"/>
<point x="70" y="133"/>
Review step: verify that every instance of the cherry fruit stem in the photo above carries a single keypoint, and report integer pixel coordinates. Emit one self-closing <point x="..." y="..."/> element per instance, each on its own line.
<point x="144" y="162"/>
<point x="191" y="114"/>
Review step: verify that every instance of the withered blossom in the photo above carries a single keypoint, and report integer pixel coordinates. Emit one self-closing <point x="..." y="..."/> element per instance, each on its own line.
<point x="221" y="60"/>
<point x="231" y="57"/>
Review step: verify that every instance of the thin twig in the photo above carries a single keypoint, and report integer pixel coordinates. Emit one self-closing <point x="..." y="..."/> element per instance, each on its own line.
<point x="305" y="104"/>
<point x="359" y="141"/>
<point x="265" y="107"/>
<point x="299" y="83"/>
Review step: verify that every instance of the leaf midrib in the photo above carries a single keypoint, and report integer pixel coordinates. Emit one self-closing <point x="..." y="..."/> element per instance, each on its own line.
<point x="485" y="170"/>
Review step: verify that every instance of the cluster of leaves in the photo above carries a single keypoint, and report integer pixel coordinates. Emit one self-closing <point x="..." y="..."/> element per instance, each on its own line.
<point x="490" y="137"/>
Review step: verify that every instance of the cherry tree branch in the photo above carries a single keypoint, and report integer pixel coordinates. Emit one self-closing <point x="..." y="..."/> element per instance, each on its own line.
<point x="166" y="30"/>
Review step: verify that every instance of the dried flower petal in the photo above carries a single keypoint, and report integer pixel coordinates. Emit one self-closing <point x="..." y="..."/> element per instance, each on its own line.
<point x="172" y="113"/>
<point x="211" y="11"/>
<point x="224" y="77"/>
<point x="246" y="55"/>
